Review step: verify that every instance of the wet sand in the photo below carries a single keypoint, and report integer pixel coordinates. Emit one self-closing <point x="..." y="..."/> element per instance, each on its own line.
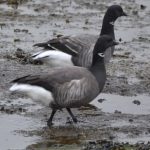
<point x="118" y="118"/>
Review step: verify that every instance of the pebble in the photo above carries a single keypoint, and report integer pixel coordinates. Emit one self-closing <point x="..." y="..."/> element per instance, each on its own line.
<point x="137" y="102"/>
<point x="101" y="100"/>
<point x="117" y="112"/>
<point x="12" y="109"/>
<point x="130" y="120"/>
<point x="143" y="6"/>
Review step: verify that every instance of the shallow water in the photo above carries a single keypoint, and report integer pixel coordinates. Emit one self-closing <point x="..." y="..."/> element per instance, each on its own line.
<point x="123" y="104"/>
<point x="116" y="104"/>
<point x="10" y="131"/>
<point x="14" y="127"/>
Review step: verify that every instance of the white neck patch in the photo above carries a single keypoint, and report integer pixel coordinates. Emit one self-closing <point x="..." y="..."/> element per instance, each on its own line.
<point x="101" y="54"/>
<point x="112" y="23"/>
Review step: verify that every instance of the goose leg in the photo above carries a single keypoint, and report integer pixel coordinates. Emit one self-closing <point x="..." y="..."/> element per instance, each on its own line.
<point x="49" y="122"/>
<point x="72" y="116"/>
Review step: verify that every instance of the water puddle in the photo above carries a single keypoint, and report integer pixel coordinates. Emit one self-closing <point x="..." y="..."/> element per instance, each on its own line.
<point x="130" y="128"/>
<point x="123" y="104"/>
<point x="14" y="126"/>
<point x="9" y="128"/>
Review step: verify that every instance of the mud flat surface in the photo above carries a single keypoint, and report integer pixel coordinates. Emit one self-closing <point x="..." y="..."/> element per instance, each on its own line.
<point x="121" y="112"/>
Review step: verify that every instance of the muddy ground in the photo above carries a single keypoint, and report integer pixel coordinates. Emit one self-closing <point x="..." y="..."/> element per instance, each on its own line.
<point x="122" y="112"/>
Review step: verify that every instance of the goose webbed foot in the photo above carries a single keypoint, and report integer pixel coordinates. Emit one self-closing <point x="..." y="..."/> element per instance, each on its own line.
<point x="49" y="122"/>
<point x="72" y="116"/>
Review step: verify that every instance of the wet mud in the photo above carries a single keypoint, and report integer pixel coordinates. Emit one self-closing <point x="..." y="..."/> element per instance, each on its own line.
<point x="120" y="117"/>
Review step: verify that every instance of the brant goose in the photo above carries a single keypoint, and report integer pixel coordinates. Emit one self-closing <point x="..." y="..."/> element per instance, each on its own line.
<point x="78" y="49"/>
<point x="68" y="87"/>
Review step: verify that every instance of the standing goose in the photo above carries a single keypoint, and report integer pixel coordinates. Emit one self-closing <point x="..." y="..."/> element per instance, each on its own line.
<point x="78" y="50"/>
<point x="68" y="87"/>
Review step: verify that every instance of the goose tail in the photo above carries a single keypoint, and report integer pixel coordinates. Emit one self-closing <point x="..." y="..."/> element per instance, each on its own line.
<point x="44" y="45"/>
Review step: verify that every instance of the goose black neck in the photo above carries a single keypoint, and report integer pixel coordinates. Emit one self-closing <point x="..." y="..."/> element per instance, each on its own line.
<point x="107" y="27"/>
<point x="98" y="70"/>
<point x="97" y="60"/>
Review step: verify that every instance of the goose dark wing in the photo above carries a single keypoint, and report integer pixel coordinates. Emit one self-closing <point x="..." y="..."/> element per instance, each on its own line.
<point x="54" y="78"/>
<point x="64" y="44"/>
<point x="72" y="45"/>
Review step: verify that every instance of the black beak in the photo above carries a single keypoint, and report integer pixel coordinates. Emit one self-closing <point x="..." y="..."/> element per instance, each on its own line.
<point x="124" y="14"/>
<point x="115" y="43"/>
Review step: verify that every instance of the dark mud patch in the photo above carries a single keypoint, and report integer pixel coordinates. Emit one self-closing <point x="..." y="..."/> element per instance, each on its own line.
<point x="90" y="145"/>
<point x="22" y="57"/>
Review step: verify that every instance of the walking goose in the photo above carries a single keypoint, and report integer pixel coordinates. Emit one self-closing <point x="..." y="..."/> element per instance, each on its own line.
<point x="78" y="50"/>
<point x="68" y="87"/>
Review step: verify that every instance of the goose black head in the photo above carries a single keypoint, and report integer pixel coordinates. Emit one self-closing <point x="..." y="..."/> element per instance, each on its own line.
<point x="115" y="11"/>
<point x="103" y="42"/>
